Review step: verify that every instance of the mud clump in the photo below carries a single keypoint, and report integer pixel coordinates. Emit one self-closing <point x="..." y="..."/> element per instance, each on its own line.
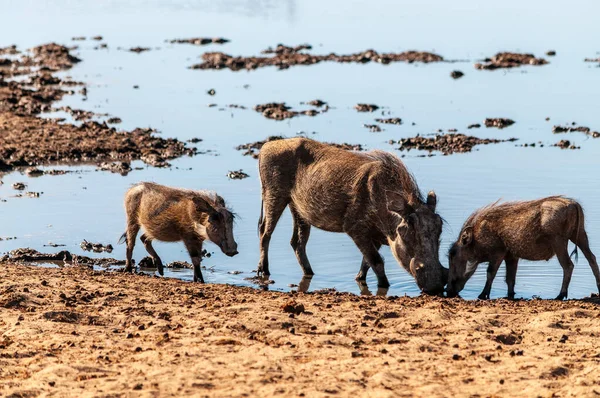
<point x="19" y="186"/>
<point x="200" y="41"/>
<point x="95" y="247"/>
<point x="179" y="265"/>
<point x="591" y="60"/>
<point x="114" y="120"/>
<point x="579" y="129"/>
<point x="366" y="107"/>
<point x="373" y="128"/>
<point x="237" y="175"/>
<point x="508" y="339"/>
<point x="474" y="126"/>
<point x="447" y="143"/>
<point x="499" y="122"/>
<point x="139" y="49"/>
<point x="317" y="102"/>
<point x="253" y="148"/>
<point x="456" y="74"/>
<point x="566" y="144"/>
<point x="280" y="111"/>
<point x="284" y="57"/>
<point x="292" y="307"/>
<point x="551" y="53"/>
<point x="122" y="168"/>
<point x="283" y="49"/>
<point x="392" y="120"/>
<point x="507" y="60"/>
<point x="27" y="255"/>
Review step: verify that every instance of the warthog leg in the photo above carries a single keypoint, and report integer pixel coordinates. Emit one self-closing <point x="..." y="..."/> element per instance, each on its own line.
<point x="273" y="209"/>
<point x="132" y="230"/>
<point x="511" y="274"/>
<point x="299" y="240"/>
<point x="371" y="255"/>
<point x="491" y="274"/>
<point x="364" y="267"/>
<point x="583" y="243"/>
<point x="562" y="253"/>
<point x="194" y="248"/>
<point x="148" y="245"/>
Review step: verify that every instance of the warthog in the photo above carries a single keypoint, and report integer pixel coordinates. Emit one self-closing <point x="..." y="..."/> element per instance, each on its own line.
<point x="370" y="196"/>
<point x="173" y="215"/>
<point x="533" y="230"/>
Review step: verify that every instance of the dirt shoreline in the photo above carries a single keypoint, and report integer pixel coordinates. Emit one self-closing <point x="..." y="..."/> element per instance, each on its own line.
<point x="76" y="332"/>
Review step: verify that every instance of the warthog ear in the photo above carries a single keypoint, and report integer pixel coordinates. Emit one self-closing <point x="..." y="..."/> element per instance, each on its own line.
<point x="203" y="206"/>
<point x="467" y="236"/>
<point x="396" y="203"/>
<point x="431" y="200"/>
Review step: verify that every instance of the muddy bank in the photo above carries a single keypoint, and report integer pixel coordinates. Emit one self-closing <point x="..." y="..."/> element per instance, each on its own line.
<point x="253" y="148"/>
<point x="578" y="129"/>
<point x="26" y="139"/>
<point x="446" y="143"/>
<point x="284" y="57"/>
<point x="220" y="340"/>
<point x="280" y="111"/>
<point x="34" y="257"/>
<point x="507" y="60"/>
<point x="200" y="41"/>
<point x="499" y="122"/>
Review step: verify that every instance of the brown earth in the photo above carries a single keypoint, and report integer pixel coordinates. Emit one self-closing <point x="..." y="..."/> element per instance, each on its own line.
<point x="445" y="143"/>
<point x="75" y="332"/>
<point x="578" y="129"/>
<point x="26" y="139"/>
<point x="507" y="60"/>
<point x="284" y="56"/>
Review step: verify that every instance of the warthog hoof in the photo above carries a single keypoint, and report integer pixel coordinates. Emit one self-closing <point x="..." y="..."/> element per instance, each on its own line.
<point x="484" y="296"/>
<point x="561" y="296"/>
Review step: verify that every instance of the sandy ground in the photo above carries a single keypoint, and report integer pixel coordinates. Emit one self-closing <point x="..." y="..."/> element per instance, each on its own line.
<point x="77" y="332"/>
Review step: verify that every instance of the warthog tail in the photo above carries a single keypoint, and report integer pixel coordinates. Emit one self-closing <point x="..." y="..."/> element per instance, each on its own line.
<point x="580" y="224"/>
<point x="260" y="218"/>
<point x="123" y="238"/>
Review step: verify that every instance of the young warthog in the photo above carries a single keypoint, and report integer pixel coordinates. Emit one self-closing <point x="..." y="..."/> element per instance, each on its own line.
<point x="370" y="196"/>
<point x="173" y="215"/>
<point x="533" y="230"/>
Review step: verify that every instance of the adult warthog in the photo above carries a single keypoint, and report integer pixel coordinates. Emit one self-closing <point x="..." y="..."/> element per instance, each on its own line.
<point x="370" y="196"/>
<point x="532" y="230"/>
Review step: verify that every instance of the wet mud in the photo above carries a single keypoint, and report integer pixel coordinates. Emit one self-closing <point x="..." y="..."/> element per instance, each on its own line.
<point x="280" y="111"/>
<point x="392" y="120"/>
<point x="366" y="107"/>
<point x="200" y="41"/>
<point x="237" y="175"/>
<point x="26" y="139"/>
<point x="566" y="144"/>
<point x="95" y="247"/>
<point x="31" y="256"/>
<point x="447" y="144"/>
<point x="373" y="128"/>
<point x="283" y="57"/>
<point x="499" y="122"/>
<point x="507" y="60"/>
<point x="578" y="129"/>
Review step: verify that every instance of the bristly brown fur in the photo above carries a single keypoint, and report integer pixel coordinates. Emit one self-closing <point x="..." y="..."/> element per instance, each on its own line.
<point x="173" y="214"/>
<point x="533" y="230"/>
<point x="365" y="195"/>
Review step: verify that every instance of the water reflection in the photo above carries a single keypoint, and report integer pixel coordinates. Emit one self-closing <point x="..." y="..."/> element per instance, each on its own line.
<point x="365" y="291"/>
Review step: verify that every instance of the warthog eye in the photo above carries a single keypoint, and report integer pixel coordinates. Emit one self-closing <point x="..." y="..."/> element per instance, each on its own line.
<point x="214" y="217"/>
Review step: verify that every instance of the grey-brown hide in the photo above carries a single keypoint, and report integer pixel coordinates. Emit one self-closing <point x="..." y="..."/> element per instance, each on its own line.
<point x="171" y="215"/>
<point x="370" y="196"/>
<point x="532" y="230"/>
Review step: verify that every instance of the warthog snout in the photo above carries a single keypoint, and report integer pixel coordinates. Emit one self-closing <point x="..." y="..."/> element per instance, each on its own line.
<point x="229" y="249"/>
<point x="431" y="278"/>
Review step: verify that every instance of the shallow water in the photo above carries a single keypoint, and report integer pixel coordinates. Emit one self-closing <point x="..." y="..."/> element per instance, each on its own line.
<point x="173" y="99"/>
